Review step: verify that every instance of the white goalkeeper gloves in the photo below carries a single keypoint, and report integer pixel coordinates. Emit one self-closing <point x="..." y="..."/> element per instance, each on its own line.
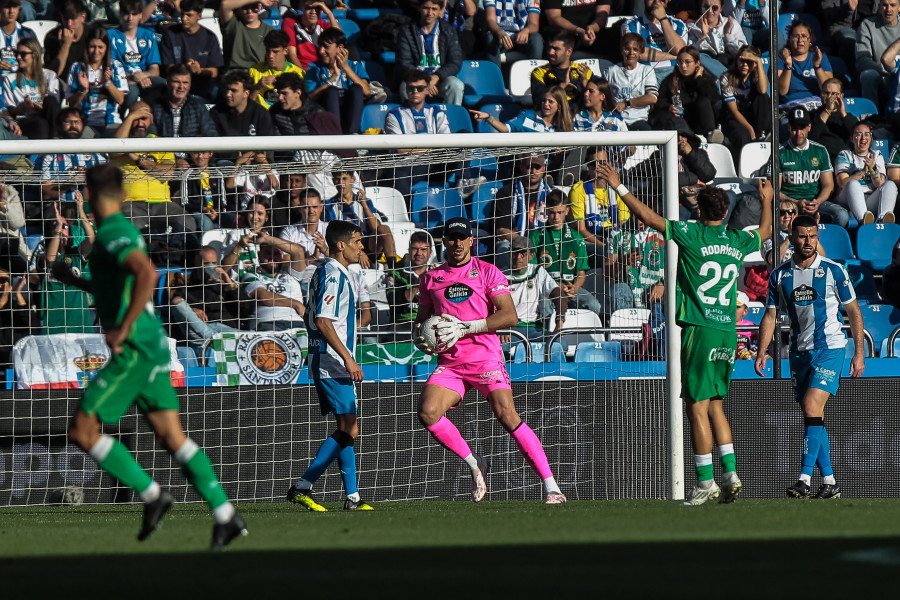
<point x="451" y="329"/>
<point x="421" y="342"/>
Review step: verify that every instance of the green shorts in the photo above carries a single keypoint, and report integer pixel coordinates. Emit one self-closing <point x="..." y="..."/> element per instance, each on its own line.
<point x="128" y="377"/>
<point x="707" y="361"/>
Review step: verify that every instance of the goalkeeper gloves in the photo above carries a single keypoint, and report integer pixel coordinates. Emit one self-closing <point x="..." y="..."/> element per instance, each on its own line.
<point x="421" y="342"/>
<point x="451" y="329"/>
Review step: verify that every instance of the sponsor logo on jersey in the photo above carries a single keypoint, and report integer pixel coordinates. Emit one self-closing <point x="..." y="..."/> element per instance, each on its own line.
<point x="439" y="278"/>
<point x="458" y="293"/>
<point x="721" y="354"/>
<point x="801" y="177"/>
<point x="571" y="261"/>
<point x="329" y="299"/>
<point x="804" y="295"/>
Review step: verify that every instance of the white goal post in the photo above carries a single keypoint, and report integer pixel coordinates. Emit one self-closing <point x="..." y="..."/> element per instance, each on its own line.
<point x="379" y="150"/>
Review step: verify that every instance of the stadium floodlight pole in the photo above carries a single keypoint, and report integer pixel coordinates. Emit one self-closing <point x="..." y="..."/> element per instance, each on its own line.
<point x="775" y="166"/>
<point x="675" y="409"/>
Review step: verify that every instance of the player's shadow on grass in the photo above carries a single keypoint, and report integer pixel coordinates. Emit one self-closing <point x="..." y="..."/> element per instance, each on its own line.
<point x="751" y="568"/>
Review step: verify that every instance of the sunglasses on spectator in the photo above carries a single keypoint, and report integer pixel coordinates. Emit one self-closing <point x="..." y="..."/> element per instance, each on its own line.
<point x="20" y="54"/>
<point x="535" y="166"/>
<point x="416" y="88"/>
<point x="252" y="8"/>
<point x="712" y="8"/>
<point x="789" y="211"/>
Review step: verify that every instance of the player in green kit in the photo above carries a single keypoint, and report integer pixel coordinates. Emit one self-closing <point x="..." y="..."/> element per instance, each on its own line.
<point x="709" y="260"/>
<point x="138" y="369"/>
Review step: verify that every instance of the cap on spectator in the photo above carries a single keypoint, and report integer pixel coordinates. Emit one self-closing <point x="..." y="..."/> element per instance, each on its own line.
<point x="798" y="118"/>
<point x="684" y="130"/>
<point x="743" y="299"/>
<point x="457" y="226"/>
<point x="521" y="243"/>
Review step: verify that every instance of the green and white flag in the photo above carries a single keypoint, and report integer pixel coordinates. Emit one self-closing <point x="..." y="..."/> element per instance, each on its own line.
<point x="259" y="358"/>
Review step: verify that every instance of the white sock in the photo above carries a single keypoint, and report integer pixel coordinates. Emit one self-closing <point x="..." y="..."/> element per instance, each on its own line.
<point x="224" y="513"/>
<point x="829" y="480"/>
<point x="550" y="486"/>
<point x="354" y="497"/>
<point x="187" y="451"/>
<point x="303" y="485"/>
<point x="151" y="494"/>
<point x="726" y="449"/>
<point x="101" y="449"/>
<point x="470" y="460"/>
<point x="805" y="478"/>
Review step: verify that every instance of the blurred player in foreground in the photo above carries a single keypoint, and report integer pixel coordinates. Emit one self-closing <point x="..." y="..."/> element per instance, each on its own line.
<point x="138" y="369"/>
<point x="331" y="322"/>
<point x="709" y="260"/>
<point x="812" y="288"/>
<point x="473" y="298"/>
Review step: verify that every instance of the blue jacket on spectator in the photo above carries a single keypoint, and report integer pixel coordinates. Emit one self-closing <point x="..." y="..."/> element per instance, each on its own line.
<point x="410" y="51"/>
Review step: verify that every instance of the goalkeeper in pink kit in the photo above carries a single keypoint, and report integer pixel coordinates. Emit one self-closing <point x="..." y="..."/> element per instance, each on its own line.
<point x="473" y="298"/>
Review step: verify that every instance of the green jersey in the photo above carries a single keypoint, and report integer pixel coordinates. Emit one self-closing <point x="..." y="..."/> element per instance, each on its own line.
<point x="64" y="308"/>
<point x="709" y="260"/>
<point x="801" y="169"/>
<point x="561" y="252"/>
<point x="646" y="270"/>
<point x="112" y="286"/>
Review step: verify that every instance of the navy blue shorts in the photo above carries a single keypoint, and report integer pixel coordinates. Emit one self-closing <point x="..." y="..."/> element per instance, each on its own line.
<point x="336" y="396"/>
<point x="819" y="369"/>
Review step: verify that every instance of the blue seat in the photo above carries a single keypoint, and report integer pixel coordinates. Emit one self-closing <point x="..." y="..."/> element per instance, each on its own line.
<point x="187" y="357"/>
<point x="350" y="29"/>
<point x="875" y="243"/>
<point x="483" y="83"/>
<point x="884" y="351"/>
<point x="880" y="320"/>
<point x="432" y="206"/>
<point x="860" y="107"/>
<point x="502" y="111"/>
<point x="598" y="352"/>
<point x="483" y="202"/>
<point x="836" y="242"/>
<point x="755" y="314"/>
<point x="374" y="114"/>
<point x="884" y="146"/>
<point x="376" y="72"/>
<point x="370" y="14"/>
<point x="863" y="283"/>
<point x="458" y="118"/>
<point x="557" y="354"/>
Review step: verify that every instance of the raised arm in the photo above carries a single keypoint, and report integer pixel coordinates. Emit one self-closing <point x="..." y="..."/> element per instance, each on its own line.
<point x="647" y="215"/>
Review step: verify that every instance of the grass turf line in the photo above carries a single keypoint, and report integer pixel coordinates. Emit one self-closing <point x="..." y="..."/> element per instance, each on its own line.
<point x="505" y="546"/>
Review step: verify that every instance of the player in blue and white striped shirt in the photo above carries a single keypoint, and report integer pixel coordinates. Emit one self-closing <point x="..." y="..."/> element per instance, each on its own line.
<point x="812" y="288"/>
<point x="331" y="321"/>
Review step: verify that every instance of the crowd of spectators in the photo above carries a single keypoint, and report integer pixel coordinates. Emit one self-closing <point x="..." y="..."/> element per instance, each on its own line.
<point x="140" y="69"/>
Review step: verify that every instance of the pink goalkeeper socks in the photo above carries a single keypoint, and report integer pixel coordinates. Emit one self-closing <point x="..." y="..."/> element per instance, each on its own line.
<point x="530" y="447"/>
<point x="446" y="433"/>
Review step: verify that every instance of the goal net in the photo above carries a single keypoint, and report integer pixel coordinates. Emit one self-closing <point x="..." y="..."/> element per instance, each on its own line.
<point x="234" y="228"/>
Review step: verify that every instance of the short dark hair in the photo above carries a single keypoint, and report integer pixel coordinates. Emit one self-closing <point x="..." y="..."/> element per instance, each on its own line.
<point x="557" y="198"/>
<point x="70" y="9"/>
<point x="307" y="193"/>
<point x="628" y="37"/>
<point x="238" y="76"/>
<point x="340" y="231"/>
<point x="438" y="2"/>
<point x="420" y="237"/>
<point x="8" y="3"/>
<point x="332" y="35"/>
<point x="276" y="39"/>
<point x="713" y="203"/>
<point x="566" y="37"/>
<point x="68" y="112"/>
<point x="130" y="6"/>
<point x="176" y="70"/>
<point x="104" y="180"/>
<point x="803" y="221"/>
<point x="416" y="75"/>
<point x="290" y="81"/>
<point x="192" y="6"/>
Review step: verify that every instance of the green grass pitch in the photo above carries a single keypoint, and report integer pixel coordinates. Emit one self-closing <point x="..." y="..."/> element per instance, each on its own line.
<point x="452" y="549"/>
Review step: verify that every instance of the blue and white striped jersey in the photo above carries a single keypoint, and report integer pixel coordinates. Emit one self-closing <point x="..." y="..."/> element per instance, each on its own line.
<point x="98" y="109"/>
<point x="406" y="121"/>
<point x="813" y="297"/>
<point x="330" y="296"/>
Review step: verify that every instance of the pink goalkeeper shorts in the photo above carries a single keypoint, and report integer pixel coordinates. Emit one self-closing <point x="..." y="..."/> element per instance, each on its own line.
<point x="483" y="376"/>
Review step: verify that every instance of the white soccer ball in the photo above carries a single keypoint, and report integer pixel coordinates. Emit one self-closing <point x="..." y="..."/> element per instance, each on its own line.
<point x="429" y="333"/>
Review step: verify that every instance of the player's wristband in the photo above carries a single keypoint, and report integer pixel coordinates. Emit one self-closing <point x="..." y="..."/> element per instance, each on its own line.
<point x="666" y="18"/>
<point x="621" y="190"/>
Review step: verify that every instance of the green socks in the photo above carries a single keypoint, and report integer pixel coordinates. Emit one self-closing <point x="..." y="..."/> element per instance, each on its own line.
<point x="199" y="472"/>
<point x="726" y="455"/>
<point x="704" y="466"/>
<point x="114" y="458"/>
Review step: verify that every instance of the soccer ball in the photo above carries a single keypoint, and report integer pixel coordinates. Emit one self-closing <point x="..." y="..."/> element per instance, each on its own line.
<point x="428" y="334"/>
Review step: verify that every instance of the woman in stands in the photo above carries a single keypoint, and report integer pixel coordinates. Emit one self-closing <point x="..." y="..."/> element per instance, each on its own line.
<point x="553" y="115"/>
<point x="687" y="96"/>
<point x="862" y="179"/>
<point x="746" y="114"/>
<point x="802" y="68"/>
<point x="252" y="222"/>
<point x="599" y="112"/>
<point x="31" y="94"/>
<point x="98" y="84"/>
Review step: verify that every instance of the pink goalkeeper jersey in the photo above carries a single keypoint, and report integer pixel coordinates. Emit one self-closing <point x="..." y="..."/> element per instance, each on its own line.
<point x="465" y="292"/>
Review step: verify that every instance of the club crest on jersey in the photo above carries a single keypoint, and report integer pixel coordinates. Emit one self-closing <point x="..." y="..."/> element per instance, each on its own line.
<point x="814" y="161"/>
<point x="820" y="272"/>
<point x="803" y="295"/>
<point x="473" y="273"/>
<point x="458" y="292"/>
